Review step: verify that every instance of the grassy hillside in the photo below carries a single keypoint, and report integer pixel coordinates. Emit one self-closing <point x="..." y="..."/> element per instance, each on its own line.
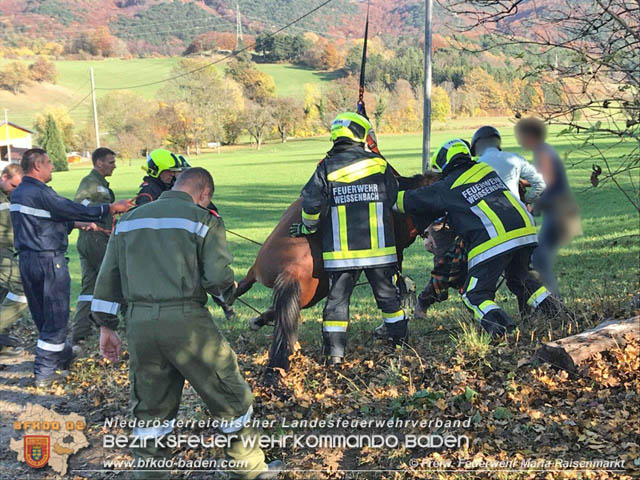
<point x="73" y="84"/>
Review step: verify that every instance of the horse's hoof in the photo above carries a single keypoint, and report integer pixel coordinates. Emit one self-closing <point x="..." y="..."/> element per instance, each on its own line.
<point x="229" y="314"/>
<point x="255" y="324"/>
<point x="272" y="381"/>
<point x="271" y="377"/>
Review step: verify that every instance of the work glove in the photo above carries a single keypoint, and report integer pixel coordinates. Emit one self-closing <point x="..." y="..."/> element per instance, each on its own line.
<point x="298" y="230"/>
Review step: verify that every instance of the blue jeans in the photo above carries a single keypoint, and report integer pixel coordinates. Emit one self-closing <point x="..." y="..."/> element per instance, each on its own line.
<point x="544" y="256"/>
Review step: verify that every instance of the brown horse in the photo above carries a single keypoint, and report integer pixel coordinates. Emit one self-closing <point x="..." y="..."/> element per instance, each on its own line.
<point x="293" y="268"/>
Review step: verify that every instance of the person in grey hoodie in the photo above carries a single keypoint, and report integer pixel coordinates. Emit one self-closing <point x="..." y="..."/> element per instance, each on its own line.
<point x="510" y="167"/>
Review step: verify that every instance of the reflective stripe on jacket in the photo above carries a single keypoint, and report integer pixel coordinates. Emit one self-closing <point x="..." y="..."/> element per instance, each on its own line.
<point x="42" y="219"/>
<point x="6" y="230"/>
<point x="168" y="251"/>
<point x="349" y="197"/>
<point x="478" y="206"/>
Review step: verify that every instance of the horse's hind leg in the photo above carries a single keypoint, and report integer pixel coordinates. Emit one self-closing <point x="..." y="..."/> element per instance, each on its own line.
<point x="246" y="283"/>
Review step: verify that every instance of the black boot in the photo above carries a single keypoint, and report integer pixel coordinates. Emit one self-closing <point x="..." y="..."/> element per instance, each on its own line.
<point x="497" y="323"/>
<point x="10" y="346"/>
<point x="9" y="352"/>
<point x="46" y="382"/>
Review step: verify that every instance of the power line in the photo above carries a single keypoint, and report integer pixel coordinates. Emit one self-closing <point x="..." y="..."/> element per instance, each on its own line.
<point x="78" y="104"/>
<point x="226" y="57"/>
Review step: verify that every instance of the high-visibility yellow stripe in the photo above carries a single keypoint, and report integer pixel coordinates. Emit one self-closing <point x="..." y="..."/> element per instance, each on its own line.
<point x="334" y="323"/>
<point x="480" y="174"/>
<point x="373" y="225"/>
<point x="476" y="311"/>
<point x="358" y="170"/>
<point x="310" y="216"/>
<point x="371" y="252"/>
<point x="534" y="296"/>
<point x="400" y="201"/>
<point x="394" y="314"/>
<point x="485" y="304"/>
<point x="518" y="232"/>
<point x="455" y="149"/>
<point x="495" y="221"/>
<point x="479" y="171"/>
<point x="525" y="216"/>
<point x="342" y="222"/>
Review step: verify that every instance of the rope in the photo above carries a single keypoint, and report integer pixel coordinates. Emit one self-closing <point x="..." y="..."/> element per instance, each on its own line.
<point x="246" y="304"/>
<point x="243" y="237"/>
<point x="113" y="219"/>
<point x="361" y="108"/>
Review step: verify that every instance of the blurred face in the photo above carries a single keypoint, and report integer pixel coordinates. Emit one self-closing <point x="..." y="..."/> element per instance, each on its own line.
<point x="106" y="165"/>
<point x="7" y="184"/>
<point x="525" y="140"/>
<point x="168" y="177"/>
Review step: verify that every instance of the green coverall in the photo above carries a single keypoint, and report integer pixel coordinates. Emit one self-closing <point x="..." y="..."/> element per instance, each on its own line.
<point x="162" y="260"/>
<point x="14" y="302"/>
<point x="93" y="190"/>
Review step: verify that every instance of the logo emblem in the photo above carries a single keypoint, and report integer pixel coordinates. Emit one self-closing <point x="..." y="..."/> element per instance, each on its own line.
<point x="36" y="450"/>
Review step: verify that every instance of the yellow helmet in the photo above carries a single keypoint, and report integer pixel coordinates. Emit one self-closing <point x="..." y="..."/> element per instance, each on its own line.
<point x="447" y="152"/>
<point x="350" y="125"/>
<point x="160" y="160"/>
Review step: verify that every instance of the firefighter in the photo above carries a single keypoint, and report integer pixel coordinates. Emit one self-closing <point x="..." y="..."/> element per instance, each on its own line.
<point x="14" y="302"/>
<point x="41" y="222"/>
<point x="349" y="199"/>
<point x="498" y="232"/>
<point x="94" y="189"/>
<point x="162" y="260"/>
<point x="449" y="262"/>
<point x="162" y="169"/>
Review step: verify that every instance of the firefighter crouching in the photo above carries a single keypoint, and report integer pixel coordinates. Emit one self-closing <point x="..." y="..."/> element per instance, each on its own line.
<point x="498" y="232"/>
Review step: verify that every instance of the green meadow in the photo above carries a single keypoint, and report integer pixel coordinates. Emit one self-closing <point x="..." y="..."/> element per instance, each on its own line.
<point x="597" y="271"/>
<point x="112" y="74"/>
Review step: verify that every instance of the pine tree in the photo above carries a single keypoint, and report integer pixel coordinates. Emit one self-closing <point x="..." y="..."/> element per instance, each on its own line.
<point x="54" y="145"/>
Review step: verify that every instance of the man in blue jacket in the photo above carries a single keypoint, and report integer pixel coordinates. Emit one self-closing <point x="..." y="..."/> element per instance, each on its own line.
<point x="41" y="222"/>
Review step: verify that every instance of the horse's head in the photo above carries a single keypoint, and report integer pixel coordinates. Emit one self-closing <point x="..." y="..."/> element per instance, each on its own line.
<point x="405" y="231"/>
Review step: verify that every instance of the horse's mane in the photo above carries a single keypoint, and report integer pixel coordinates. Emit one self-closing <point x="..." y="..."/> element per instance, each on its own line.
<point x="418" y="180"/>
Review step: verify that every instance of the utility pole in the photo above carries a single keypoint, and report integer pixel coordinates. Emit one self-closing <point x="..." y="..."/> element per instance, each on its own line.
<point x="6" y="126"/>
<point x="426" y="118"/>
<point x="95" y="109"/>
<point x="238" y="27"/>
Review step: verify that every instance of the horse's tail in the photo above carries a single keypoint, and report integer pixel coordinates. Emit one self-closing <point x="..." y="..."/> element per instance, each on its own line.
<point x="286" y="303"/>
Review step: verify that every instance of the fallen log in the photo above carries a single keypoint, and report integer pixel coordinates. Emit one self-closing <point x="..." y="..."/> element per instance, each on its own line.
<point x="568" y="353"/>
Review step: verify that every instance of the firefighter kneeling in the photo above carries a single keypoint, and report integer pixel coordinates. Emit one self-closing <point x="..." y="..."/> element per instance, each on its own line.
<point x="497" y="229"/>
